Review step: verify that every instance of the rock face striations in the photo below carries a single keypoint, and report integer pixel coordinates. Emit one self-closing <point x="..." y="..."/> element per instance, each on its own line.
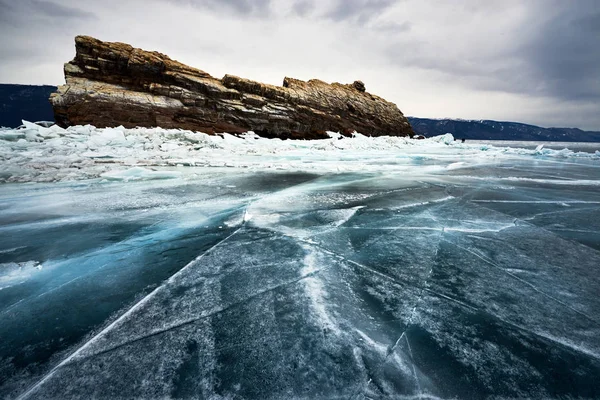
<point x="112" y="84"/>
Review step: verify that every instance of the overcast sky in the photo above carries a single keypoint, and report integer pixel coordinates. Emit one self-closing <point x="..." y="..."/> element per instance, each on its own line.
<point x="534" y="61"/>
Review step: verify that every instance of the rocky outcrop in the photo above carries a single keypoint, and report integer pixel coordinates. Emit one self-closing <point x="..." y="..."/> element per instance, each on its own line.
<point x="112" y="84"/>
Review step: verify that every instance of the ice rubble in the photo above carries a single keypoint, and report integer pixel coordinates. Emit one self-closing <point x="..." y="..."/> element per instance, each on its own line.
<point x="37" y="153"/>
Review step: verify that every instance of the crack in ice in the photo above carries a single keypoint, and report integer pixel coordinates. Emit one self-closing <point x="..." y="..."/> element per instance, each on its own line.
<point x="189" y="321"/>
<point x="130" y="311"/>
<point x="524" y="282"/>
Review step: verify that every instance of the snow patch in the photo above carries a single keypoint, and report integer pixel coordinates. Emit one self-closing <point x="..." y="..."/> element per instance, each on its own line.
<point x="139" y="173"/>
<point x="13" y="273"/>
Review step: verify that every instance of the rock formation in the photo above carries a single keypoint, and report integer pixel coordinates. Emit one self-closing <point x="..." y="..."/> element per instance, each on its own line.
<point x="112" y="84"/>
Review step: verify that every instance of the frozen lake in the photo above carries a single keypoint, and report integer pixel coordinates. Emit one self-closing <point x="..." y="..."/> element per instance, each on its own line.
<point x="368" y="270"/>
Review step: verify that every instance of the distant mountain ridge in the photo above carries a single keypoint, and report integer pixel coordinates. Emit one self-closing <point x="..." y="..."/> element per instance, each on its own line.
<point x="31" y="103"/>
<point x="497" y="130"/>
<point x="28" y="102"/>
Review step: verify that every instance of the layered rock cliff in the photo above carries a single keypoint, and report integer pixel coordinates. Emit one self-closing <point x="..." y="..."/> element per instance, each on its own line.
<point x="112" y="84"/>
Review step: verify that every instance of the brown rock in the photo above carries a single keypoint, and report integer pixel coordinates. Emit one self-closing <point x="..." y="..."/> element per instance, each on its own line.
<point x="360" y="86"/>
<point x="112" y="84"/>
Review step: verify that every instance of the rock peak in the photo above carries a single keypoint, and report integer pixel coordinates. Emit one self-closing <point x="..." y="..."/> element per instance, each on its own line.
<point x="360" y="86"/>
<point x="110" y="84"/>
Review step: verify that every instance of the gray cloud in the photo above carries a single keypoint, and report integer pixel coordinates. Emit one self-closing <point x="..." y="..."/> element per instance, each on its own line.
<point x="360" y="11"/>
<point x="564" y="53"/>
<point x="28" y="27"/>
<point x="52" y="9"/>
<point x="533" y="61"/>
<point x="394" y="27"/>
<point x="245" y="8"/>
<point x="303" y="7"/>
<point x="6" y="11"/>
<point x="30" y="9"/>
<point x="559" y="57"/>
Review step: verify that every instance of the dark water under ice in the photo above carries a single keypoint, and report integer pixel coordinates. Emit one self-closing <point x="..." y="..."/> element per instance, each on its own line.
<point x="476" y="282"/>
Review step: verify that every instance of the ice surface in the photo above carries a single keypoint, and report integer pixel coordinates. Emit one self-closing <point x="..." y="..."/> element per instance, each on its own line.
<point x="36" y="153"/>
<point x="195" y="266"/>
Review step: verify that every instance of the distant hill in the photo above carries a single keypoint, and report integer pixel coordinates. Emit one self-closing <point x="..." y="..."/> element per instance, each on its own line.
<point x="495" y="130"/>
<point x="18" y="102"/>
<point x="26" y="102"/>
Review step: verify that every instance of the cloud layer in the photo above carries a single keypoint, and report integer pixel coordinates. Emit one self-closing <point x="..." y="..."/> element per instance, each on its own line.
<point x="534" y="61"/>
